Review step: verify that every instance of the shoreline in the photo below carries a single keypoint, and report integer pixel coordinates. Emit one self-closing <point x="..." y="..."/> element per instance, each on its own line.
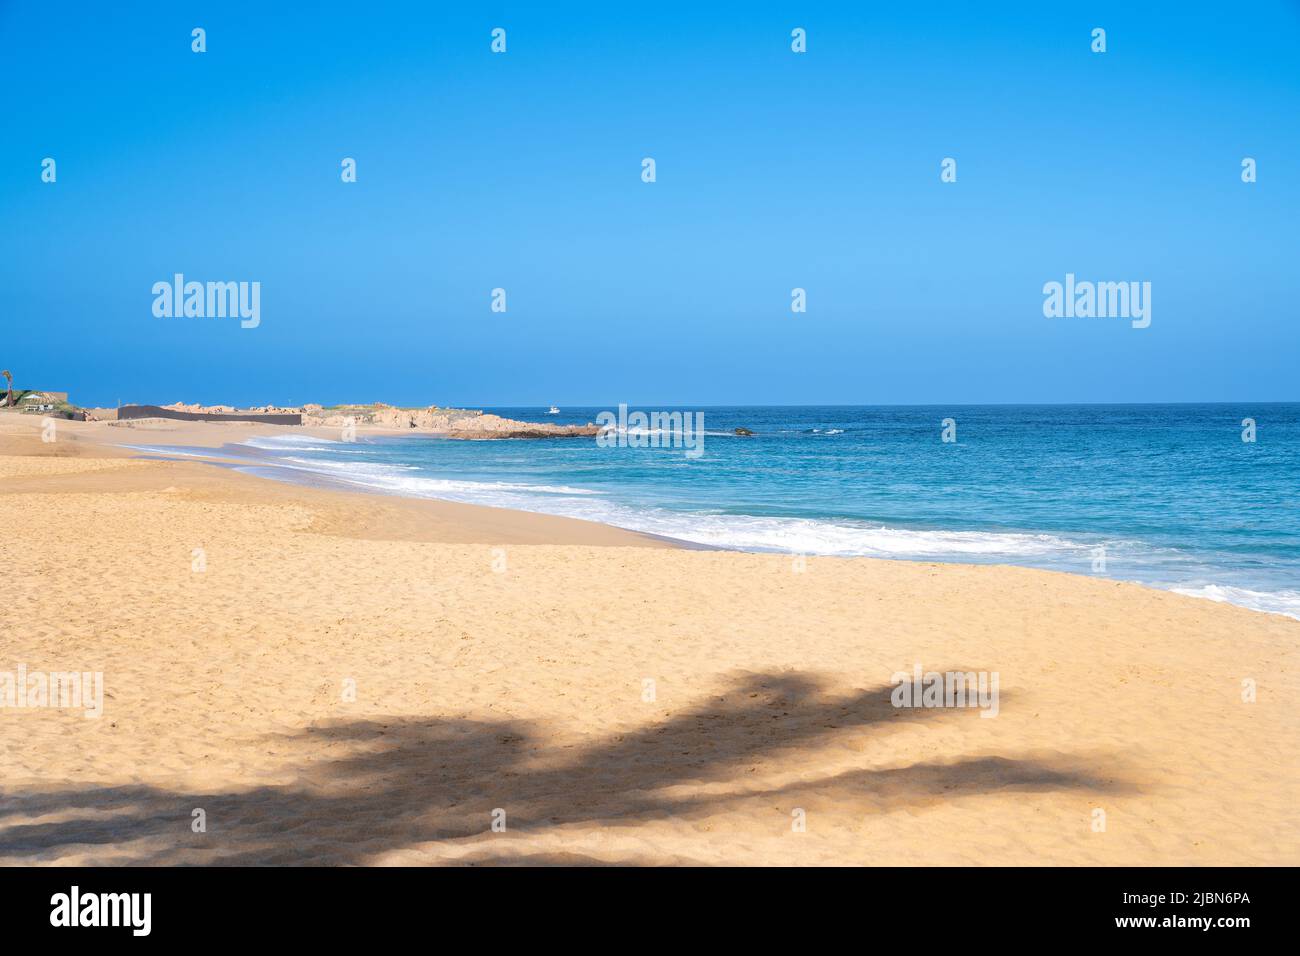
<point x="213" y="455"/>
<point x="198" y="435"/>
<point x="392" y="515"/>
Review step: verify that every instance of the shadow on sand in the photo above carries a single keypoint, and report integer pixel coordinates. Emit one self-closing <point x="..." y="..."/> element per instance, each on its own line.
<point x="378" y="785"/>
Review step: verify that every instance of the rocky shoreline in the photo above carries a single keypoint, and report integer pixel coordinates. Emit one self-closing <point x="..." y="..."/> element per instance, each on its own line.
<point x="470" y="424"/>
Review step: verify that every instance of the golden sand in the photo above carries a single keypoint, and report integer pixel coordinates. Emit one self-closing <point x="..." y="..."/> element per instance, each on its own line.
<point x="334" y="677"/>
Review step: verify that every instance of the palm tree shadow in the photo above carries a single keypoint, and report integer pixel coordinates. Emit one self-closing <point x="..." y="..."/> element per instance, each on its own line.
<point x="393" y="784"/>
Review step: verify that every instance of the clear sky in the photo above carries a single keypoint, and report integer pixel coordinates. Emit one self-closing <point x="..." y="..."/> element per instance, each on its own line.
<point x="774" y="170"/>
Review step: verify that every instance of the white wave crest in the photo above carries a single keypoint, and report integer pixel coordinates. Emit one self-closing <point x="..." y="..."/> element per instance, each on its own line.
<point x="396" y="479"/>
<point x="1274" y="602"/>
<point x="292" y="442"/>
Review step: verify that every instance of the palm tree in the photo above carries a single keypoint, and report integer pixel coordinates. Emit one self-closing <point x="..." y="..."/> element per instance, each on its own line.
<point x="9" y="394"/>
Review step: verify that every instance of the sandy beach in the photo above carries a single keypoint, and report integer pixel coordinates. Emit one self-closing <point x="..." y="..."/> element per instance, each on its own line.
<point x="329" y="677"/>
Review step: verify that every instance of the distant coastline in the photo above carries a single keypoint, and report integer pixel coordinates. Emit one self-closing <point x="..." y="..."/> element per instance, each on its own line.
<point x="447" y="422"/>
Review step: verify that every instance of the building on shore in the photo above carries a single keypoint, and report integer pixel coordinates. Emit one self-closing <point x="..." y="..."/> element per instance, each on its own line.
<point x="38" y="401"/>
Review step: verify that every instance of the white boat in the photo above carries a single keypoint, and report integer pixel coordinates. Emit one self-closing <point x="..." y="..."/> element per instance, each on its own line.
<point x="552" y="410"/>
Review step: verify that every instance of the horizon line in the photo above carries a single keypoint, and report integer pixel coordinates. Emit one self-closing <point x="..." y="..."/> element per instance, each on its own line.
<point x="659" y="404"/>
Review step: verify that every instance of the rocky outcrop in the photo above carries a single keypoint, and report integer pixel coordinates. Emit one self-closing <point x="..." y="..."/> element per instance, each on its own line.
<point x="452" y="422"/>
<point x="515" y="429"/>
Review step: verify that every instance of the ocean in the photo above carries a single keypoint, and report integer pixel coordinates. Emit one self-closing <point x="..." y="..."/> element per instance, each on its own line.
<point x="1165" y="495"/>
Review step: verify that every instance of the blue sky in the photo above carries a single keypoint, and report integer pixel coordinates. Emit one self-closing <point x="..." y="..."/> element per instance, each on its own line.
<point x="774" y="171"/>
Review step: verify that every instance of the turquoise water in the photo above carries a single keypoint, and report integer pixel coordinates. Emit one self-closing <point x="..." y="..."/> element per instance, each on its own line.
<point x="1171" y="492"/>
